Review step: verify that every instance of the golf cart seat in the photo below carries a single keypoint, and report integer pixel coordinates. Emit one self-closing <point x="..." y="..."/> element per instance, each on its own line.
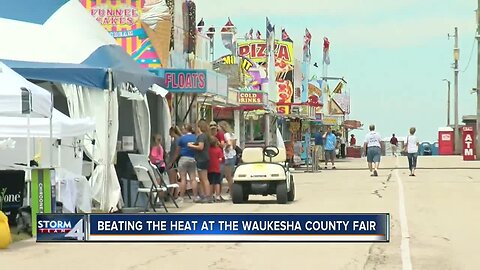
<point x="280" y="158"/>
<point x="252" y="155"/>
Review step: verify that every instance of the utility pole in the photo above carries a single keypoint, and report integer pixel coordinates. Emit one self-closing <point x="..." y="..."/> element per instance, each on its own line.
<point x="477" y="144"/>
<point x="448" y="101"/>
<point x="456" y="56"/>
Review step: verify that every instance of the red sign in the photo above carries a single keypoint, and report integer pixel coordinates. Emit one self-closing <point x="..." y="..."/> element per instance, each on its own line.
<point x="468" y="143"/>
<point x="250" y="98"/>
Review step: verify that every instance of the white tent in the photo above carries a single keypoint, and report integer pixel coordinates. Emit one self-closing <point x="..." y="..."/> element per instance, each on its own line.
<point x="62" y="126"/>
<point x="12" y="86"/>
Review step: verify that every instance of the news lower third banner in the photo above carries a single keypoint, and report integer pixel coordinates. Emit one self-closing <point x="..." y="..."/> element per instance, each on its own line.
<point x="213" y="227"/>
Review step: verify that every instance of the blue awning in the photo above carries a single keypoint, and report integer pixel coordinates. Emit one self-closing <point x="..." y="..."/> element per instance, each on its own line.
<point x="93" y="72"/>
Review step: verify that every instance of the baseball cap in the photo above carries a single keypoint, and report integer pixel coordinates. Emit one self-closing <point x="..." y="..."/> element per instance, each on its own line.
<point x="213" y="124"/>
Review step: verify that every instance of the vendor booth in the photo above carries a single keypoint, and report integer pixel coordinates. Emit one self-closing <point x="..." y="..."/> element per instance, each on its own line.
<point x="29" y="115"/>
<point x="93" y="77"/>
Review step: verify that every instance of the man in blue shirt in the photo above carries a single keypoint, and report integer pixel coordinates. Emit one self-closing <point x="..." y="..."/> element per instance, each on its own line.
<point x="319" y="144"/>
<point x="329" y="146"/>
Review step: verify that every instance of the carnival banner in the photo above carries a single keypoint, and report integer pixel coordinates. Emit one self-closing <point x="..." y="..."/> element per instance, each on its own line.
<point x="141" y="27"/>
<point x="255" y="50"/>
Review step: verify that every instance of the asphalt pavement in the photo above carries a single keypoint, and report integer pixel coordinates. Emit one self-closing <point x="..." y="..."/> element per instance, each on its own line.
<point x="434" y="225"/>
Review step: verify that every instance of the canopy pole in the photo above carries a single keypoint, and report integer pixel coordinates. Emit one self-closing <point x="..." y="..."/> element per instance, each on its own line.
<point x="107" y="140"/>
<point x="51" y="132"/>
<point x="28" y="170"/>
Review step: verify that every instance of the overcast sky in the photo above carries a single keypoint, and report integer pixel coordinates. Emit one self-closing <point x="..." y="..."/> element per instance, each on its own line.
<point x="393" y="54"/>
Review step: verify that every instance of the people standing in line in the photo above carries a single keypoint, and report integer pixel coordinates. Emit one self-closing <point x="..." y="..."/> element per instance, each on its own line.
<point x="373" y="149"/>
<point x="330" y="146"/>
<point x="201" y="146"/>
<point x="411" y="147"/>
<point x="186" y="161"/>
<point x="157" y="154"/>
<point x="218" y="133"/>
<point x="353" y="140"/>
<point x="229" y="152"/>
<point x="394" y="144"/>
<point x="216" y="158"/>
<point x="175" y="134"/>
<point x="319" y="144"/>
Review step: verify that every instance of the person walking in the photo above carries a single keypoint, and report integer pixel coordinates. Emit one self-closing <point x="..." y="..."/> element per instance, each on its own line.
<point x="373" y="148"/>
<point x="353" y="140"/>
<point x="319" y="145"/>
<point x="201" y="146"/>
<point x="411" y="147"/>
<point x="330" y="146"/>
<point x="394" y="144"/>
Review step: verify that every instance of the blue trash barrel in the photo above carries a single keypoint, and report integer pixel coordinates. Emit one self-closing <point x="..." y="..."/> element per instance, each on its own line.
<point x="425" y="149"/>
<point x="435" y="149"/>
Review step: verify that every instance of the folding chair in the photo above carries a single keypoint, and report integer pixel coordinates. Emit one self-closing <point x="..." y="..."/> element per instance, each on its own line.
<point x="165" y="182"/>
<point x="149" y="184"/>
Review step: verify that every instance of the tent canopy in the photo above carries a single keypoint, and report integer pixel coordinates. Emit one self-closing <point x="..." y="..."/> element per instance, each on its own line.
<point x="58" y="40"/>
<point x="11" y="101"/>
<point x="62" y="126"/>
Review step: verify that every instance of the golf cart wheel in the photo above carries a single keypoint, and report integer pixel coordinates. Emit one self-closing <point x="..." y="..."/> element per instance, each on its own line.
<point x="245" y="195"/>
<point x="282" y="193"/>
<point x="291" y="193"/>
<point x="237" y="193"/>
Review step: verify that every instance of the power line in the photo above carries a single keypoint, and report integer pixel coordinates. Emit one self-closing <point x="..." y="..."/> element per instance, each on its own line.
<point x="470" y="57"/>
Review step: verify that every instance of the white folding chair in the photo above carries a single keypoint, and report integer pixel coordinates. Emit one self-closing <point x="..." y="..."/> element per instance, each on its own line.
<point x="149" y="186"/>
<point x="165" y="182"/>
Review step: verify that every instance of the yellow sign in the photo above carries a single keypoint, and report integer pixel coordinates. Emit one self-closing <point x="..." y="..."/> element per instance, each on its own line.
<point x="330" y="121"/>
<point x="283" y="109"/>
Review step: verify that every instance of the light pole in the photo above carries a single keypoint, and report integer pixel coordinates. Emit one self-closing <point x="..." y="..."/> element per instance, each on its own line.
<point x="477" y="147"/>
<point x="448" y="102"/>
<point x="456" y="56"/>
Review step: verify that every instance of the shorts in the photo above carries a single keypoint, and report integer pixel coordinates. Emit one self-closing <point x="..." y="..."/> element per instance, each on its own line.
<point x="329" y="155"/>
<point x="187" y="165"/>
<point x="214" y="178"/>
<point x="231" y="161"/>
<point x="373" y="154"/>
<point x="202" y="165"/>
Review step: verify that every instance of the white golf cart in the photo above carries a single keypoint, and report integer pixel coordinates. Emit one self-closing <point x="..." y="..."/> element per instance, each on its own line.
<point x="263" y="171"/>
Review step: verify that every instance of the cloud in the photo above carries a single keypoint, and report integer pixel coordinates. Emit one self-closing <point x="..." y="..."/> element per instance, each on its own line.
<point x="215" y="9"/>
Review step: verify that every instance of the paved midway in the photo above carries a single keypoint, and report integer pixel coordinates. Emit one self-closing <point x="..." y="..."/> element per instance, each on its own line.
<point x="435" y="224"/>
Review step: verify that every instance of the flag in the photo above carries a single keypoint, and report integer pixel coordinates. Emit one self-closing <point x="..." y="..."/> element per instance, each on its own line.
<point x="326" y="51"/>
<point x="228" y="36"/>
<point x="200" y="25"/>
<point x="306" y="45"/>
<point x="249" y="35"/>
<point x="211" y="32"/>
<point x="259" y="34"/>
<point x="285" y="36"/>
<point x="270" y="35"/>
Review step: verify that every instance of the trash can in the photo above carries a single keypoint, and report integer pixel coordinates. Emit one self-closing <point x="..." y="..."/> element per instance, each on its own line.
<point x="129" y="189"/>
<point x="425" y="149"/>
<point x="435" y="149"/>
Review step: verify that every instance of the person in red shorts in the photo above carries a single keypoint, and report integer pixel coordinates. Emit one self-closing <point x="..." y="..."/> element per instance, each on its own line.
<point x="216" y="158"/>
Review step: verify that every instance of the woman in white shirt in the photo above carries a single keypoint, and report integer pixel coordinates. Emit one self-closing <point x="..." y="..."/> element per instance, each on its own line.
<point x="229" y="152"/>
<point x="411" y="147"/>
